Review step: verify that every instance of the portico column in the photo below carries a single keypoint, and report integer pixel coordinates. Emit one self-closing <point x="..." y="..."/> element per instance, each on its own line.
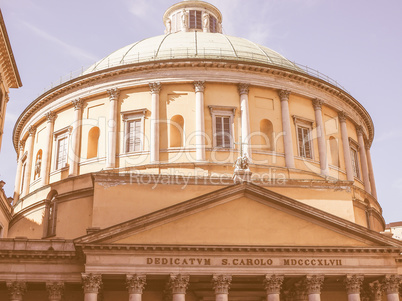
<point x="199" y="120"/>
<point x="313" y="286"/>
<point x="300" y="293"/>
<point x="375" y="291"/>
<point x="74" y="150"/>
<point x="322" y="147"/>
<point x="135" y="285"/>
<point x="371" y="171"/>
<point x="353" y="285"/>
<point x="221" y="284"/>
<point x="155" y="89"/>
<point x="19" y="171"/>
<point x="363" y="159"/>
<point x="47" y="151"/>
<point x="287" y="134"/>
<point x="112" y="128"/>
<point x="346" y="147"/>
<point x="91" y="284"/>
<point x="391" y="287"/>
<point x="16" y="290"/>
<point x="273" y="284"/>
<point x="28" y="168"/>
<point x="55" y="290"/>
<point x="245" y="118"/>
<point x="178" y="285"/>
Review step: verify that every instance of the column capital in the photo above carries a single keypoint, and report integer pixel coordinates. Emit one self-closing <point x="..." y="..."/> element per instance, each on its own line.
<point x="314" y="284"/>
<point x="21" y="145"/>
<point x="16" y="289"/>
<point x="7" y="97"/>
<point x="178" y="284"/>
<point x="284" y="95"/>
<point x="391" y="283"/>
<point x="375" y="291"/>
<point x="221" y="283"/>
<point x="135" y="283"/>
<point x="155" y="87"/>
<point x="317" y="104"/>
<point x="113" y="93"/>
<point x="342" y="116"/>
<point x="199" y="86"/>
<point x="243" y="88"/>
<point x="55" y="290"/>
<point x="32" y="130"/>
<point x="78" y="104"/>
<point x="353" y="283"/>
<point x="300" y="293"/>
<point x="367" y="144"/>
<point x="359" y="130"/>
<point x="50" y="116"/>
<point x="91" y="283"/>
<point x="273" y="284"/>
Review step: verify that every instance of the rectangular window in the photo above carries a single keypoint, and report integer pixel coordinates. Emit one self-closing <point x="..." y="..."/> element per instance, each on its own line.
<point x="212" y="24"/>
<point x="61" y="153"/>
<point x="304" y="142"/>
<point x="51" y="220"/>
<point x="196" y="19"/>
<point x="223" y="136"/>
<point x="355" y="162"/>
<point x="133" y="139"/>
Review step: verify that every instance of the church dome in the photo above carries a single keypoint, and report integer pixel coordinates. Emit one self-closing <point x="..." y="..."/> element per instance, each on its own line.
<point x="193" y="45"/>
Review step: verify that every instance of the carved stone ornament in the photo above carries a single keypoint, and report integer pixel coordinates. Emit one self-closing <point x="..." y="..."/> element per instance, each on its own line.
<point x="135" y="283"/>
<point x="16" y="289"/>
<point x="243" y="88"/>
<point x="184" y="19"/>
<point x="199" y="86"/>
<point x="178" y="284"/>
<point x="317" y="104"/>
<point x="77" y="103"/>
<point x="32" y="130"/>
<point x="221" y="283"/>
<point x="342" y="116"/>
<point x="155" y="87"/>
<point x="375" y="291"/>
<point x="21" y="145"/>
<point x="299" y="292"/>
<point x="353" y="283"/>
<point x="273" y="284"/>
<point x="113" y="94"/>
<point x="55" y="290"/>
<point x="359" y="130"/>
<point x="284" y="95"/>
<point x="7" y="97"/>
<point x="391" y="284"/>
<point x="91" y="283"/>
<point x="314" y="284"/>
<point x="50" y="116"/>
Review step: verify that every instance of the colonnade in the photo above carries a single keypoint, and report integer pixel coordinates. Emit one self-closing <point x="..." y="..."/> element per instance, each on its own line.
<point x="304" y="288"/>
<point x="199" y="86"/>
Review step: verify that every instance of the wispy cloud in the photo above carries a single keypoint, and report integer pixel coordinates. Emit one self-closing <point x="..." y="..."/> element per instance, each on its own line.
<point x="71" y="49"/>
<point x="139" y="8"/>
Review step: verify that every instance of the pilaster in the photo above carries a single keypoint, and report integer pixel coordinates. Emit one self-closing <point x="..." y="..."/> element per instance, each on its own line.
<point x="287" y="133"/>
<point x="112" y="128"/>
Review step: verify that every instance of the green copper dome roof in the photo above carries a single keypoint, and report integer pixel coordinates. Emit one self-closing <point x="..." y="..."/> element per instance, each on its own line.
<point x="192" y="45"/>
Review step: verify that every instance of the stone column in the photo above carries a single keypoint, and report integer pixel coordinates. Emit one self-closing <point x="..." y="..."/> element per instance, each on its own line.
<point x="273" y="285"/>
<point x="375" y="291"/>
<point x="391" y="287"/>
<point x="199" y="120"/>
<point x="313" y="286"/>
<point x="91" y="284"/>
<point x="28" y="169"/>
<point x="299" y="292"/>
<point x="221" y="284"/>
<point x="245" y="118"/>
<point x="16" y="290"/>
<point x="322" y="147"/>
<point x="371" y="171"/>
<point x="55" y="290"/>
<point x="363" y="159"/>
<point x="155" y="89"/>
<point x="74" y="150"/>
<point x="112" y="128"/>
<point x="178" y="285"/>
<point x="18" y="176"/>
<point x="287" y="133"/>
<point x="135" y="285"/>
<point x="346" y="147"/>
<point x="47" y="151"/>
<point x="353" y="285"/>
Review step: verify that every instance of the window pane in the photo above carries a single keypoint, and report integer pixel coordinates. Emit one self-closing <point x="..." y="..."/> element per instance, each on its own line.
<point x="212" y="24"/>
<point x="195" y="19"/>
<point x="222" y="131"/>
<point x="133" y="138"/>
<point x="61" y="153"/>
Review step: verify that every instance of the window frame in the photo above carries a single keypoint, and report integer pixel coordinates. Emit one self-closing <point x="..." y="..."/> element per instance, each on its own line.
<point x="130" y="116"/>
<point x="223" y="111"/>
<point x="354" y="147"/>
<point x="194" y="13"/>
<point x="51" y="221"/>
<point x="301" y="122"/>
<point x="64" y="133"/>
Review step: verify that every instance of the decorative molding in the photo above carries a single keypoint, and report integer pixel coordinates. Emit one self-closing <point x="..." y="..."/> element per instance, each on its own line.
<point x="91" y="283"/>
<point x="221" y="283"/>
<point x="50" y="116"/>
<point x="32" y="130"/>
<point x="135" y="283"/>
<point x="391" y="284"/>
<point x="199" y="86"/>
<point x="78" y="104"/>
<point x="21" y="145"/>
<point x="342" y="116"/>
<point x="314" y="284"/>
<point x="243" y="88"/>
<point x="16" y="289"/>
<point x="317" y="104"/>
<point x="7" y="97"/>
<point x="155" y="87"/>
<point x="284" y="95"/>
<point x="353" y="283"/>
<point x="55" y="290"/>
<point x="178" y="284"/>
<point x="273" y="284"/>
<point x="113" y="94"/>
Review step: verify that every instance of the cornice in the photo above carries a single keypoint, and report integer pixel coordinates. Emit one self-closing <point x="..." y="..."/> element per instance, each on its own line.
<point x="293" y="75"/>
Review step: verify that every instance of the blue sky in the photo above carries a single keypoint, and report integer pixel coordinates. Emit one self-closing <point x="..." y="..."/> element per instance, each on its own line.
<point x="358" y="43"/>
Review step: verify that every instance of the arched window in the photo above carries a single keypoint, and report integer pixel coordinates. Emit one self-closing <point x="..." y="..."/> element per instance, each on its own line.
<point x="176" y="131"/>
<point x="38" y="164"/>
<point x="267" y="134"/>
<point x="51" y="214"/>
<point x="93" y="140"/>
<point x="334" y="151"/>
